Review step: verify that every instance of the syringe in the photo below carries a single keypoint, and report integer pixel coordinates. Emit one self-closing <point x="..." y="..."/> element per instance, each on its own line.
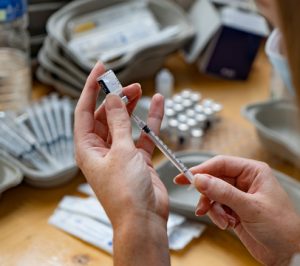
<point x="110" y="84"/>
<point x="163" y="147"/>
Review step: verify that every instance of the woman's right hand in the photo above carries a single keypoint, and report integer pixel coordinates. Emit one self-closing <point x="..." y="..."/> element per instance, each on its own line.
<point x="245" y="195"/>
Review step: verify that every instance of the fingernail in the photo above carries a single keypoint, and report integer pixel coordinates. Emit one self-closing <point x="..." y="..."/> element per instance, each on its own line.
<point x="199" y="212"/>
<point x="231" y="221"/>
<point x="202" y="181"/>
<point x="175" y="180"/>
<point x="113" y="102"/>
<point x="223" y="225"/>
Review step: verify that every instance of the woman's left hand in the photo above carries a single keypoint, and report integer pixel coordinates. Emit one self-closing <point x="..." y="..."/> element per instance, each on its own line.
<point x="120" y="172"/>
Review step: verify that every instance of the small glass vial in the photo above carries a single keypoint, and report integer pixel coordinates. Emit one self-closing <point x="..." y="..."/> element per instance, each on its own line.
<point x="196" y="139"/>
<point x="15" y="73"/>
<point x="183" y="136"/>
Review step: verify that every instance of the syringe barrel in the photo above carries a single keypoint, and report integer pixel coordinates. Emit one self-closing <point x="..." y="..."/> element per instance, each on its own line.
<point x="169" y="154"/>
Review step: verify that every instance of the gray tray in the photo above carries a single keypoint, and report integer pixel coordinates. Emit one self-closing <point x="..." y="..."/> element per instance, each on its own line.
<point x="167" y="14"/>
<point x="50" y="79"/>
<point x="59" y="71"/>
<point x="184" y="201"/>
<point x="277" y="125"/>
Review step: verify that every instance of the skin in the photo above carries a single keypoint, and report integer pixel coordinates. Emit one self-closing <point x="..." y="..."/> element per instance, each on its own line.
<point x="121" y="173"/>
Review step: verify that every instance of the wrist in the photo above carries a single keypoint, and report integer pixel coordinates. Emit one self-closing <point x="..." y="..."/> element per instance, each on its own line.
<point x="141" y="240"/>
<point x="293" y="242"/>
<point x="144" y="219"/>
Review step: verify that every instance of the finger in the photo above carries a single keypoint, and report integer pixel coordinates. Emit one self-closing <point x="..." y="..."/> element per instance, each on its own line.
<point x="218" y="216"/>
<point x="203" y="206"/>
<point x="181" y="179"/>
<point x="220" y="191"/>
<point x="118" y="122"/>
<point x="226" y="166"/>
<point x="238" y="171"/>
<point x="155" y="117"/>
<point x="84" y="112"/>
<point x="133" y="93"/>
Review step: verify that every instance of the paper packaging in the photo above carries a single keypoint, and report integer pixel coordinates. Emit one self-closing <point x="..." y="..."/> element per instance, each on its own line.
<point x="227" y="40"/>
<point x="86" y="219"/>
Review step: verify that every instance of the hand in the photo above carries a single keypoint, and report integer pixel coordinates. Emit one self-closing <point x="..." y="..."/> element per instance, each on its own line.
<point x="121" y="173"/>
<point x="244" y="195"/>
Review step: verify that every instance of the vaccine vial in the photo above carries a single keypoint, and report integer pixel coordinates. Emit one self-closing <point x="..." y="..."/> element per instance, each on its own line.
<point x="202" y="121"/>
<point x="173" y="132"/>
<point x="196" y="139"/>
<point x="15" y="68"/>
<point x="183" y="136"/>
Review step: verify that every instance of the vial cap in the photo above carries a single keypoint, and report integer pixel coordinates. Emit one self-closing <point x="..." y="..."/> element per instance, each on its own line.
<point x="197" y="133"/>
<point x="199" y="108"/>
<point x="169" y="112"/>
<point x="207" y="102"/>
<point x="190" y="113"/>
<point x="191" y="122"/>
<point x="183" y="127"/>
<point x="177" y="99"/>
<point x="187" y="103"/>
<point x="182" y="118"/>
<point x="195" y="97"/>
<point x="178" y="108"/>
<point x="173" y="123"/>
<point x="186" y="93"/>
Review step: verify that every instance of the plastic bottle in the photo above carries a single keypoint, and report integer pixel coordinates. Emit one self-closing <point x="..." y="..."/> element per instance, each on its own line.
<point x="15" y="72"/>
<point x="164" y="83"/>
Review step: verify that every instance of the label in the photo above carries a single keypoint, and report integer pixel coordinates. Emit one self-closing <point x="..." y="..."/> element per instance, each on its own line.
<point x="12" y="9"/>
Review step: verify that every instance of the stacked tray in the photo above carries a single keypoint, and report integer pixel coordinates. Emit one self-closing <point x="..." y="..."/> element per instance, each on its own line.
<point x="67" y="70"/>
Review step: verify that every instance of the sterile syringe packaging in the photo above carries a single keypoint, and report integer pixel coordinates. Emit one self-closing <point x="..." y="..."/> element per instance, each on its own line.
<point x="39" y="141"/>
<point x="86" y="219"/>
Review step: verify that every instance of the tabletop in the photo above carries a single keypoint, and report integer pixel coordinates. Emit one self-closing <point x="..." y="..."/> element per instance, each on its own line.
<point x="26" y="239"/>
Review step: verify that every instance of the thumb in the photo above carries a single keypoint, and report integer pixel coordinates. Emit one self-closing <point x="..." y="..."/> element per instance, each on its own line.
<point x="118" y="120"/>
<point x="220" y="191"/>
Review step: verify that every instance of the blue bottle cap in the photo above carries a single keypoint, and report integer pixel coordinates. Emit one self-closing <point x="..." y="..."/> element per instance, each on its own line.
<point x="12" y="9"/>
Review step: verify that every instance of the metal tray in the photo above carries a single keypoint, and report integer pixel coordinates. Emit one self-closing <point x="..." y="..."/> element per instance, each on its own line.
<point x="277" y="124"/>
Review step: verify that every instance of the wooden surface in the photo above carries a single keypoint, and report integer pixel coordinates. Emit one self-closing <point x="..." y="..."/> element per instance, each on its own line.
<point x="27" y="240"/>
